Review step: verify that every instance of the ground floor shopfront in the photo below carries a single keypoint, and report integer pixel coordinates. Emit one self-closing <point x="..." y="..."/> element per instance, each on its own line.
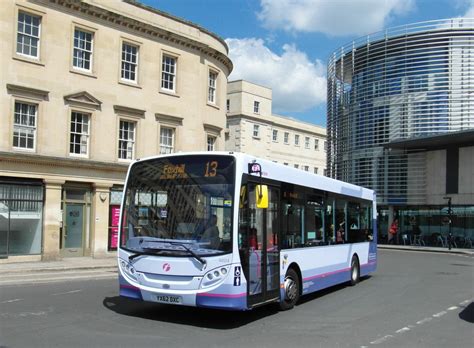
<point x="429" y="225"/>
<point x="71" y="211"/>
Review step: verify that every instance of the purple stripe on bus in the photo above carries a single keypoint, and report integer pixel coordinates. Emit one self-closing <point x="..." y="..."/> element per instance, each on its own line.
<point x="223" y="295"/>
<point x="323" y="275"/>
<point x="128" y="286"/>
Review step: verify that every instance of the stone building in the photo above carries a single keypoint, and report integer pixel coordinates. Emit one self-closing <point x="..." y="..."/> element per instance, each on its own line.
<point x="253" y="129"/>
<point x="88" y="86"/>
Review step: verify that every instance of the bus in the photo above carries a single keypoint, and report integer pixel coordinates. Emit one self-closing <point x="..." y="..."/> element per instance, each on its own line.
<point x="231" y="231"/>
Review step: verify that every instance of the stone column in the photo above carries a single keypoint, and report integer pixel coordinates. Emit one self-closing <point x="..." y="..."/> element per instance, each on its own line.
<point x="100" y="219"/>
<point x="52" y="220"/>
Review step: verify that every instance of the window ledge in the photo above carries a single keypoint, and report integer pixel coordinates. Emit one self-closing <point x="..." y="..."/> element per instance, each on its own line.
<point x="213" y="105"/>
<point x="129" y="84"/>
<point x="122" y="160"/>
<point x="29" y="60"/>
<point x="77" y="156"/>
<point x="169" y="93"/>
<point x="83" y="73"/>
<point x="20" y="149"/>
<point x="256" y="138"/>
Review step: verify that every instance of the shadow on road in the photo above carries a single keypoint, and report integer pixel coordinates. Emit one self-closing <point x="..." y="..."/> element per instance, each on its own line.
<point x="199" y="317"/>
<point x="468" y="313"/>
<point x="321" y="293"/>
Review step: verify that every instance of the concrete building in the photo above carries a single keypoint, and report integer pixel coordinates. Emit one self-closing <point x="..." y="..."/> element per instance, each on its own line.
<point x="253" y="129"/>
<point x="88" y="86"/>
<point x="400" y="121"/>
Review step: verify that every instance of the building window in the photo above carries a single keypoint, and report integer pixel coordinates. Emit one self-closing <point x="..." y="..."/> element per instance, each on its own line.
<point x="211" y="143"/>
<point x="228" y="105"/>
<point x="325" y="172"/>
<point x="28" y="35"/>
<point x="166" y="140"/>
<point x="306" y="142"/>
<point x="211" y="98"/>
<point x="297" y="140"/>
<point x="275" y="135"/>
<point x="256" y="130"/>
<point x="256" y="107"/>
<point x="316" y="144"/>
<point x="126" y="148"/>
<point x="79" y="141"/>
<point x="129" y="62"/>
<point x="286" y="136"/>
<point x="315" y="170"/>
<point x="285" y="163"/>
<point x="306" y="168"/>
<point x="82" y="57"/>
<point x="168" y="73"/>
<point x="297" y="166"/>
<point x="24" y="126"/>
<point x="325" y="146"/>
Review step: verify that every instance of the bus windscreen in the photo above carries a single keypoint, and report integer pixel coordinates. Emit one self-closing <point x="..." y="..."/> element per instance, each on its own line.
<point x="175" y="206"/>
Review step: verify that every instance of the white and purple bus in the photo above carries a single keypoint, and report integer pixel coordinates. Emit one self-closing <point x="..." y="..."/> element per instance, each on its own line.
<point x="232" y="231"/>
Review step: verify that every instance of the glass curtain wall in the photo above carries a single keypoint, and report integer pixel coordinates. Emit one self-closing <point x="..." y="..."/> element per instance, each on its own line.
<point x="429" y="226"/>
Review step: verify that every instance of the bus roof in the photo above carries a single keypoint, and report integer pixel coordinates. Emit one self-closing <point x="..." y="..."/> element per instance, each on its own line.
<point x="280" y="172"/>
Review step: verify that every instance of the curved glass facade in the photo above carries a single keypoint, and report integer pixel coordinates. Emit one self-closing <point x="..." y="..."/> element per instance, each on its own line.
<point x="403" y="83"/>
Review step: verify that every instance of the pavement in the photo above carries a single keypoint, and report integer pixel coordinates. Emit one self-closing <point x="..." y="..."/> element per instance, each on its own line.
<point x="109" y="264"/>
<point x="73" y="268"/>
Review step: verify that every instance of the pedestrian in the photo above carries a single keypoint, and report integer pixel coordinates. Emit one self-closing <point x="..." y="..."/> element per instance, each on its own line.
<point x="392" y="232"/>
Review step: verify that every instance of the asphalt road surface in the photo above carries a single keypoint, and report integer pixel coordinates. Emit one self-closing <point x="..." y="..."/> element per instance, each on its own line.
<point x="413" y="300"/>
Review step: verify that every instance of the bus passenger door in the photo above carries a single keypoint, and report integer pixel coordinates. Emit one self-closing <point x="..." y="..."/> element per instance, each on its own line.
<point x="262" y="253"/>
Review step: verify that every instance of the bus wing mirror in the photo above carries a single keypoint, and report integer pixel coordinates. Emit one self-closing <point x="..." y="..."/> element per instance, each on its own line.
<point x="261" y="196"/>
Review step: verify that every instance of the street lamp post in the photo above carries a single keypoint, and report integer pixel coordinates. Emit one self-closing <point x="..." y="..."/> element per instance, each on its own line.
<point x="450" y="235"/>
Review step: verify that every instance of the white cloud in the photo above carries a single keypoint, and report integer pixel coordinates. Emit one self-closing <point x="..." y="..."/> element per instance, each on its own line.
<point x="297" y="83"/>
<point x="470" y="11"/>
<point x="332" y="17"/>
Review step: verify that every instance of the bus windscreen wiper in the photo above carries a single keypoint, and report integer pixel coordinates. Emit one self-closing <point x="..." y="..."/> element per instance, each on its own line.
<point x="149" y="253"/>
<point x="196" y="256"/>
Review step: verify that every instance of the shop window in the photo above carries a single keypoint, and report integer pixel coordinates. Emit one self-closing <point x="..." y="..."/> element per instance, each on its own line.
<point x="21" y="217"/>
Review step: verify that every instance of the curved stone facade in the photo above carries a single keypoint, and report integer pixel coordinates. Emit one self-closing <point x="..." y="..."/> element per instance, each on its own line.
<point x="88" y="86"/>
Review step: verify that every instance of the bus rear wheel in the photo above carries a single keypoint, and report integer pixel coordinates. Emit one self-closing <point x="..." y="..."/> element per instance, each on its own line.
<point x="292" y="290"/>
<point x="355" y="270"/>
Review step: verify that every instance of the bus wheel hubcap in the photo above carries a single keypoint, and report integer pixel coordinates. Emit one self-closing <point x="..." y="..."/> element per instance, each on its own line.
<point x="290" y="288"/>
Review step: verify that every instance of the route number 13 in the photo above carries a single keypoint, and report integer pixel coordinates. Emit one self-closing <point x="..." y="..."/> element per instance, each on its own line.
<point x="211" y="169"/>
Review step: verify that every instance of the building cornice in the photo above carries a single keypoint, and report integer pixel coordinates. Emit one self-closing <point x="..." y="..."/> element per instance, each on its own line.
<point x="210" y="128"/>
<point x="125" y="110"/>
<point x="53" y="161"/>
<point x="83" y="99"/>
<point x="169" y="119"/>
<point x="153" y="31"/>
<point x="27" y="91"/>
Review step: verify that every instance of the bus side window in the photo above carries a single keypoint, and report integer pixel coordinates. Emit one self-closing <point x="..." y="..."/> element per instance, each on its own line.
<point x="329" y="221"/>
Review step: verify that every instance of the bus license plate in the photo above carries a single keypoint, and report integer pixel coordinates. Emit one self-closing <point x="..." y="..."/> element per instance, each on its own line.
<point x="169" y="299"/>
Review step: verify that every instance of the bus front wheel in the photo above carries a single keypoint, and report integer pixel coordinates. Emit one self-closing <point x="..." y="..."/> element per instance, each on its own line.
<point x="355" y="270"/>
<point x="292" y="290"/>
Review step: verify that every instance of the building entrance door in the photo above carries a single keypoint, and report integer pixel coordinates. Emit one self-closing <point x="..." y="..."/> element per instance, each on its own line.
<point x="73" y="230"/>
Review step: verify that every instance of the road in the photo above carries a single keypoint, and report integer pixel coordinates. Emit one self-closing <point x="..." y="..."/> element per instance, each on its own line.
<point x="413" y="300"/>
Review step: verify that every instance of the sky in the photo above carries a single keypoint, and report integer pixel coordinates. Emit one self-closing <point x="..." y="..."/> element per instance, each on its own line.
<point x="285" y="44"/>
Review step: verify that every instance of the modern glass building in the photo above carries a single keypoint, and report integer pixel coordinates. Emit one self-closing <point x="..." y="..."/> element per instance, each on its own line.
<point x="400" y="113"/>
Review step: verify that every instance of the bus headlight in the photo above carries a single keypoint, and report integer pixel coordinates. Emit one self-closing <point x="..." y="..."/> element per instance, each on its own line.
<point x="214" y="276"/>
<point x="128" y="269"/>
